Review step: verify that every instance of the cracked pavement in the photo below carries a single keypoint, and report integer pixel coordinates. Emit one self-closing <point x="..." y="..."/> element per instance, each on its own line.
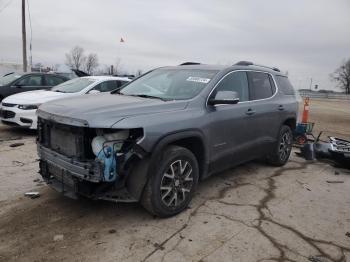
<point x="253" y="212"/>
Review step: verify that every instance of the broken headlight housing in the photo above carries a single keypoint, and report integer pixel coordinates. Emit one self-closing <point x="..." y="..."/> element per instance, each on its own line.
<point x="105" y="147"/>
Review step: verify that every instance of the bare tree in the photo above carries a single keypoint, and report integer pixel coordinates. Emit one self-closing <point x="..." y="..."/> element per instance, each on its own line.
<point x="91" y="63"/>
<point x="75" y="59"/>
<point x="342" y="76"/>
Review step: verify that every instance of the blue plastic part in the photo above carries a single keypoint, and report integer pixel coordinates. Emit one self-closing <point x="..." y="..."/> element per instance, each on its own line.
<point x="107" y="156"/>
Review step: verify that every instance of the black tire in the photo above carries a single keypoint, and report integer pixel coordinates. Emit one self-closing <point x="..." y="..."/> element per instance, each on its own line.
<point x="281" y="151"/>
<point x="175" y="176"/>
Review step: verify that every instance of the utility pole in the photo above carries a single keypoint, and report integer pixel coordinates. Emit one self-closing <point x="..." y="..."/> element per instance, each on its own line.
<point x="310" y="83"/>
<point x="24" y="40"/>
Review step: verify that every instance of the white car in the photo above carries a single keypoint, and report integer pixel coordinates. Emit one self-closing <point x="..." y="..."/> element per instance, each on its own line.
<point x="20" y="109"/>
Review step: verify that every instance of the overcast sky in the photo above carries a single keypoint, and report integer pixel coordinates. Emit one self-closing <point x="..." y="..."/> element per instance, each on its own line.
<point x="307" y="38"/>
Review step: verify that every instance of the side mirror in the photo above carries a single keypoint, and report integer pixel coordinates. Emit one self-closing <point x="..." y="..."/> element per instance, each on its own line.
<point x="224" y="98"/>
<point x="93" y="91"/>
<point x="18" y="85"/>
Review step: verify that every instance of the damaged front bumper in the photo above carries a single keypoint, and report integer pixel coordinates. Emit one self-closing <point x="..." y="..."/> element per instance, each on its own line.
<point x="75" y="178"/>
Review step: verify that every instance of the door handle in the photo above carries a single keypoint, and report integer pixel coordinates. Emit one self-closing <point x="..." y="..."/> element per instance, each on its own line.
<point x="250" y="112"/>
<point x="281" y="107"/>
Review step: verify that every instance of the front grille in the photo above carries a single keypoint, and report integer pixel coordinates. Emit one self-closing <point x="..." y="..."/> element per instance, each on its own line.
<point x="7" y="114"/>
<point x="70" y="141"/>
<point x="8" y="104"/>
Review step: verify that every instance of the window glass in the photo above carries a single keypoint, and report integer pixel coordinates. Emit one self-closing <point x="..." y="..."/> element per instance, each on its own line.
<point x="259" y="85"/>
<point x="285" y="86"/>
<point x="120" y="83"/>
<point x="106" y="86"/>
<point x="30" y="81"/>
<point x="170" y="84"/>
<point x="53" y="80"/>
<point x="272" y="84"/>
<point x="9" y="78"/>
<point x="236" y="82"/>
<point x="74" y="85"/>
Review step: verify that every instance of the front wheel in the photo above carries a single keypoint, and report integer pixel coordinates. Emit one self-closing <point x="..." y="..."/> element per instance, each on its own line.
<point x="170" y="189"/>
<point x="281" y="151"/>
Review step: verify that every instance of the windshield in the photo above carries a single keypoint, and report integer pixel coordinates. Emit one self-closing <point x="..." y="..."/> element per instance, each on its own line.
<point x="73" y="86"/>
<point x="170" y="84"/>
<point x="8" y="79"/>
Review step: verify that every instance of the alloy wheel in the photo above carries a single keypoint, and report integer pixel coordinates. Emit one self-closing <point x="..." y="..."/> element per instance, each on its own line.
<point x="176" y="183"/>
<point x="285" y="146"/>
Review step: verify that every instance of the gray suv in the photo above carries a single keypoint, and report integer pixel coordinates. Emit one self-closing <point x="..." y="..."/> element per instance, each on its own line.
<point x="154" y="139"/>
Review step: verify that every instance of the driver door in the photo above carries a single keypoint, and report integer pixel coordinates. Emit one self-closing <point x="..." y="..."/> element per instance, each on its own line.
<point x="231" y="129"/>
<point x="28" y="83"/>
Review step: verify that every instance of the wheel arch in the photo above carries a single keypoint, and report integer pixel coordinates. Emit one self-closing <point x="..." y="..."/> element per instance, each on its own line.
<point x="192" y="140"/>
<point x="291" y="122"/>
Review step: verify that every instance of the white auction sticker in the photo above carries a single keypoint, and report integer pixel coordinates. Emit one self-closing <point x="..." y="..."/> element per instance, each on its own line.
<point x="198" y="79"/>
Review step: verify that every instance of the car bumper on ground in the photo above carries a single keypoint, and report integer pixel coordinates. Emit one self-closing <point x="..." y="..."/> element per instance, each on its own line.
<point x="18" y="117"/>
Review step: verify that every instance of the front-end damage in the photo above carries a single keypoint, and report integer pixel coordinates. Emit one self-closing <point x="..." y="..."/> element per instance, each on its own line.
<point x="91" y="162"/>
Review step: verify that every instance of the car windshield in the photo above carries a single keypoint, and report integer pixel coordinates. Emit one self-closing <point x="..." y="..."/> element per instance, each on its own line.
<point x="8" y="79"/>
<point x="170" y="84"/>
<point x="73" y="86"/>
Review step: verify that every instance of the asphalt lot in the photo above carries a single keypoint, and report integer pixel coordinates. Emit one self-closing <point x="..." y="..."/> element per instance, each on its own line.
<point x="250" y="213"/>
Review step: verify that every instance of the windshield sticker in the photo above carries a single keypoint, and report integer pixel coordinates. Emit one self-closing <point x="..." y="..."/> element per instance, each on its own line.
<point x="198" y="79"/>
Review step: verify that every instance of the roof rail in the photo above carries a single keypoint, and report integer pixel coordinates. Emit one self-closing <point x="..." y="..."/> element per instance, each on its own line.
<point x="189" y="63"/>
<point x="247" y="63"/>
<point x="272" y="68"/>
<point x="244" y="63"/>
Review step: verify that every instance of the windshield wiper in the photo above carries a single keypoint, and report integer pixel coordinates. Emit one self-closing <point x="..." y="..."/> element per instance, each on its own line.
<point x="60" y="91"/>
<point x="150" y="96"/>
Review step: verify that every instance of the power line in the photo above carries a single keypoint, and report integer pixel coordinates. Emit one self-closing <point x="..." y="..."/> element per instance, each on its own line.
<point x="6" y="5"/>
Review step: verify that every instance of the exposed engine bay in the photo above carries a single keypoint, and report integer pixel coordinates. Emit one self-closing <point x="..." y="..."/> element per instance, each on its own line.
<point x="88" y="161"/>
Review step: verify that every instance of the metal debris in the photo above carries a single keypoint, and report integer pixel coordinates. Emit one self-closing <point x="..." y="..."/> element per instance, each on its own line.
<point x="334" y="181"/>
<point x="32" y="195"/>
<point x="317" y="259"/>
<point x="16" y="144"/>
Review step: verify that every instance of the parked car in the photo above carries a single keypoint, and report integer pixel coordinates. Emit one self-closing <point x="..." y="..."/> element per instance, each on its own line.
<point x="20" y="109"/>
<point x="154" y="139"/>
<point x="16" y="83"/>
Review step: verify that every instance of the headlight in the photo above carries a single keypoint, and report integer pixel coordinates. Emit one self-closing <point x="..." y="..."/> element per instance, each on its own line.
<point x="28" y="107"/>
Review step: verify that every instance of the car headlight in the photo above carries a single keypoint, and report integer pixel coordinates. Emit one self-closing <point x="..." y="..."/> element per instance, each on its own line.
<point x="28" y="107"/>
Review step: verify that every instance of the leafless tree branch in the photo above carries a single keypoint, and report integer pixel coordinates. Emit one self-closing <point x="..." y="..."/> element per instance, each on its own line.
<point x="342" y="76"/>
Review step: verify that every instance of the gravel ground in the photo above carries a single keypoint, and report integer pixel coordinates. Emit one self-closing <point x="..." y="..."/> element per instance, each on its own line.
<point x="250" y="213"/>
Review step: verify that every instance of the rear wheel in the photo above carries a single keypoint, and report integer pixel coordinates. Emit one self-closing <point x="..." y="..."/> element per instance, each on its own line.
<point x="170" y="189"/>
<point x="281" y="151"/>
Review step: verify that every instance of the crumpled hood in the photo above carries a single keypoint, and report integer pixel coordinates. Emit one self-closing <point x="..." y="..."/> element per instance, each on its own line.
<point x="104" y="110"/>
<point x="35" y="97"/>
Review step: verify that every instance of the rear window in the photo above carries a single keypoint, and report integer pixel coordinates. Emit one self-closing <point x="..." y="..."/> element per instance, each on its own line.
<point x="259" y="85"/>
<point x="284" y="85"/>
<point x="73" y="86"/>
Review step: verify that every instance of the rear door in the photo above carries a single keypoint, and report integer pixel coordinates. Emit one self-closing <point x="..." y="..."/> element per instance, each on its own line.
<point x="28" y="83"/>
<point x="265" y="111"/>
